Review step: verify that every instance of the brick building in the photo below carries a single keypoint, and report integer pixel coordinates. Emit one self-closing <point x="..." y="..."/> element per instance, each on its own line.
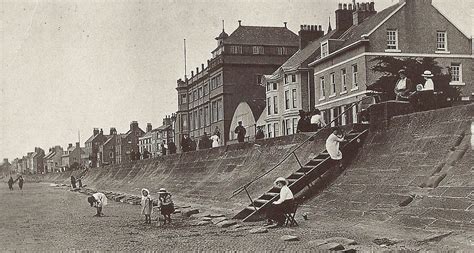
<point x="126" y="144"/>
<point x="92" y="146"/>
<point x="53" y="160"/>
<point x="410" y="28"/>
<point x="74" y="155"/>
<point x="290" y="88"/>
<point x="209" y="98"/>
<point x="106" y="152"/>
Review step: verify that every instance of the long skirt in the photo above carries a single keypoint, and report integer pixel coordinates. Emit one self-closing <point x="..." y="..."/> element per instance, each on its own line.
<point x="167" y="209"/>
<point x="277" y="212"/>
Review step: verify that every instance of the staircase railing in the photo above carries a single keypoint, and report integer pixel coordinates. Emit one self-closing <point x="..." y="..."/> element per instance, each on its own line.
<point x="292" y="153"/>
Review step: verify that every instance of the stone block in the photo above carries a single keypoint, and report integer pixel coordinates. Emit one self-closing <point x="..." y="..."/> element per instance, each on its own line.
<point x="226" y="223"/>
<point x="333" y="246"/>
<point x="189" y="212"/>
<point x="258" y="230"/>
<point x="445" y="224"/>
<point x="216" y="221"/>
<point x="434" y="181"/>
<point x="200" y="223"/>
<point x="317" y="243"/>
<point x="341" y="240"/>
<point x="289" y="238"/>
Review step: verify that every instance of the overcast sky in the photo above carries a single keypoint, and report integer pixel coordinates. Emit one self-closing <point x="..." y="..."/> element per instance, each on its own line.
<point x="69" y="66"/>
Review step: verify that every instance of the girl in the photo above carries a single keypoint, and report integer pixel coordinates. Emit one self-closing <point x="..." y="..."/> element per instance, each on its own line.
<point x="332" y="145"/>
<point x="166" y="204"/>
<point x="147" y="205"/>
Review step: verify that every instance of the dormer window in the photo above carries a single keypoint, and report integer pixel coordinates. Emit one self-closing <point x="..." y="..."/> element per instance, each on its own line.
<point x="236" y="49"/>
<point x="257" y="50"/>
<point x="324" y="49"/>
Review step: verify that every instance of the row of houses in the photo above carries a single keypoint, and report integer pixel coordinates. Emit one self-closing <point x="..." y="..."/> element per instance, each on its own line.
<point x="263" y="76"/>
<point x="100" y="149"/>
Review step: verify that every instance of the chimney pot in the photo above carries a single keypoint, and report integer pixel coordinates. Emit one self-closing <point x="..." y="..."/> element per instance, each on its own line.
<point x="339" y="7"/>
<point x="285" y="24"/>
<point x="240" y="22"/>
<point x="197" y="70"/>
<point x="320" y="27"/>
<point x="192" y="73"/>
<point x="345" y="7"/>
<point x="350" y="7"/>
<point x="202" y="67"/>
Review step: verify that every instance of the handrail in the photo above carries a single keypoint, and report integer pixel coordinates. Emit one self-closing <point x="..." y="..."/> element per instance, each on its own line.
<point x="243" y="187"/>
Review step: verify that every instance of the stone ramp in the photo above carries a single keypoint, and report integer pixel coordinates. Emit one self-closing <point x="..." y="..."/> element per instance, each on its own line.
<point x="416" y="171"/>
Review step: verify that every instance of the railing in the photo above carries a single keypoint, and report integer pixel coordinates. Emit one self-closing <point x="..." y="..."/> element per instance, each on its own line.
<point x="292" y="153"/>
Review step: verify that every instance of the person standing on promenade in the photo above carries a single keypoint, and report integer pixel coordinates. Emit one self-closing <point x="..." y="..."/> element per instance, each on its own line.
<point x="147" y="205"/>
<point x="241" y="132"/>
<point x="73" y="182"/>
<point x="98" y="200"/>
<point x="20" y="182"/>
<point x="10" y="184"/>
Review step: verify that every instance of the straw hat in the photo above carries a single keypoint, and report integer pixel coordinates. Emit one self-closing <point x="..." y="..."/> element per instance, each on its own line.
<point x="281" y="179"/>
<point x="162" y="190"/>
<point x="427" y="73"/>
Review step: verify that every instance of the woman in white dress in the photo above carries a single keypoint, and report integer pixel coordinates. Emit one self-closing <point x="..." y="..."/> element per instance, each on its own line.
<point x="215" y="141"/>
<point x="332" y="145"/>
<point x="147" y="205"/>
<point x="98" y="200"/>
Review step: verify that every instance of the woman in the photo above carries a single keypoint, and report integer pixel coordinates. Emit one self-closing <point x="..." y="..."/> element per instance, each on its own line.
<point x="332" y="145"/>
<point x="215" y="141"/>
<point x="317" y="120"/>
<point x="277" y="210"/>
<point x="165" y="204"/>
<point x="98" y="200"/>
<point x="73" y="182"/>
<point x="147" y="205"/>
<point x="20" y="182"/>
<point x="10" y="183"/>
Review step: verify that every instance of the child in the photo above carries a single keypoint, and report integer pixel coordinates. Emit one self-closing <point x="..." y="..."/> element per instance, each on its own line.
<point x="98" y="200"/>
<point x="147" y="205"/>
<point x="332" y="145"/>
<point x="166" y="204"/>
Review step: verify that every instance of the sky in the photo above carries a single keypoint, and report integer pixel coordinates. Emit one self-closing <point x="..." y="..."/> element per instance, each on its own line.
<point x="70" y="66"/>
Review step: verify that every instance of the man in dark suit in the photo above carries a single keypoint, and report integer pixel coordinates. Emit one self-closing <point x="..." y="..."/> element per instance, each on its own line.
<point x="404" y="87"/>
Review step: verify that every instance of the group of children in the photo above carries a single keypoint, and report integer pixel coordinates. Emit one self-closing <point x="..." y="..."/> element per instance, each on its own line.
<point x="11" y="182"/>
<point x="165" y="204"/>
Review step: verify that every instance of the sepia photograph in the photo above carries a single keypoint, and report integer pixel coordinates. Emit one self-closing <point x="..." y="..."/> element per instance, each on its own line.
<point x="237" y="126"/>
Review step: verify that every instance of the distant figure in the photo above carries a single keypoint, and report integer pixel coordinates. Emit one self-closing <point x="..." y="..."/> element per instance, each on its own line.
<point x="404" y="87"/>
<point x="276" y="212"/>
<point x="185" y="143"/>
<point x="205" y="142"/>
<point x="10" y="184"/>
<point x="259" y="135"/>
<point x="98" y="200"/>
<point x="241" y="132"/>
<point x="215" y="141"/>
<point x="426" y="94"/>
<point x="217" y="132"/>
<point x="146" y="154"/>
<point x="304" y="125"/>
<point x="20" y="182"/>
<point x="332" y="145"/>
<point x="171" y="148"/>
<point x="147" y="205"/>
<point x="163" y="148"/>
<point x="165" y="203"/>
<point x="192" y="144"/>
<point x="317" y="121"/>
<point x="73" y="182"/>
<point x="79" y="182"/>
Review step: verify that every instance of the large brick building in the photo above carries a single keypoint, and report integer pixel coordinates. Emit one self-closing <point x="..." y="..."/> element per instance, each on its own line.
<point x="209" y="98"/>
<point x="410" y="28"/>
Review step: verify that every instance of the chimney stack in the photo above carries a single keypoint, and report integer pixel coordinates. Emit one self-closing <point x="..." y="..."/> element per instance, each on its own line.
<point x="363" y="11"/>
<point x="69" y="145"/>
<point x="113" y="131"/>
<point x="309" y="33"/>
<point x="133" y="125"/>
<point x="192" y="73"/>
<point x="95" y="131"/>
<point x="78" y="145"/>
<point x="101" y="131"/>
<point x="343" y="17"/>
<point x="148" y="127"/>
<point x="197" y="70"/>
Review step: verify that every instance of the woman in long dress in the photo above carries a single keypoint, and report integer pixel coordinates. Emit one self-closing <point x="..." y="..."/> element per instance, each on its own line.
<point x="332" y="145"/>
<point x="215" y="141"/>
<point x="147" y="205"/>
<point x="98" y="200"/>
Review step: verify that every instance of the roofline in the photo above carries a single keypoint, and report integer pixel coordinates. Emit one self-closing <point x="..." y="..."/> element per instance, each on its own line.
<point x="337" y="52"/>
<point x="385" y="20"/>
<point x="452" y="23"/>
<point x="342" y="98"/>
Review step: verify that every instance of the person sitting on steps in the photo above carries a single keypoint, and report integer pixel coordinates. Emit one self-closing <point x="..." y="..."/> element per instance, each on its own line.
<point x="276" y="211"/>
<point x="332" y="145"/>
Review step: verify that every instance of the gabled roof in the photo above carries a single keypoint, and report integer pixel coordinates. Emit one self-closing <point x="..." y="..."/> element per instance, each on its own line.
<point x="50" y="155"/>
<point x="263" y="36"/>
<point x="91" y="138"/>
<point x="109" y="137"/>
<point x="146" y="135"/>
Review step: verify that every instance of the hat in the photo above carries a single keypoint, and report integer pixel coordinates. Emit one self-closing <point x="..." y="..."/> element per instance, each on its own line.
<point x="402" y="71"/>
<point x="301" y="112"/>
<point x="281" y="179"/>
<point x="427" y="73"/>
<point x="162" y="190"/>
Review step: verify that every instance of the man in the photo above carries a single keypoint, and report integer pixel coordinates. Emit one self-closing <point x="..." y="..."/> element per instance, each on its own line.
<point x="304" y="124"/>
<point x="98" y="200"/>
<point x="185" y="143"/>
<point x="404" y="87"/>
<point x="163" y="148"/>
<point x="204" y="142"/>
<point x="241" y="132"/>
<point x="259" y="135"/>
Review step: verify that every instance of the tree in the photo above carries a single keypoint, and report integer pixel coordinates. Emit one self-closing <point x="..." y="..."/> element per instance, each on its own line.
<point x="414" y="67"/>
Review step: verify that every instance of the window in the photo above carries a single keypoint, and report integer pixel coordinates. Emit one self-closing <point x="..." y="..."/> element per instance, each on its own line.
<point x="195" y="96"/>
<point x="190" y="97"/>
<point x="286" y="78"/>
<point x="200" y="92"/>
<point x="220" y="110"/>
<point x="269" y="106"/>
<point x="257" y="49"/>
<point x="332" y="78"/>
<point x="287" y="99"/>
<point x="441" y="41"/>
<point x="275" y="86"/>
<point x="293" y="78"/>
<point x="295" y="98"/>
<point x="276" y="129"/>
<point x="201" y="118"/>
<point x="275" y="104"/>
<point x="206" y="89"/>
<point x="295" y="125"/>
<point x="269" y="130"/>
<point x="322" y="94"/>
<point x="456" y="73"/>
<point x="343" y="80"/>
<point x="236" y="49"/>
<point x="196" y="120"/>
<point x="268" y="86"/>
<point x="216" y="82"/>
<point x="191" y="121"/>
<point x="332" y="117"/>
<point x="392" y="39"/>
<point x="324" y="49"/>
<point x="259" y="79"/>
<point x="354" y="76"/>
<point x="214" y="111"/>
<point x="206" y="116"/>
<point x="282" y="51"/>
<point x="183" y="99"/>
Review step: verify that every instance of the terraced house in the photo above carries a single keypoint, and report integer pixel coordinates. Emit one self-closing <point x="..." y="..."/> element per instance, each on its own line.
<point x="410" y="28"/>
<point x="210" y="97"/>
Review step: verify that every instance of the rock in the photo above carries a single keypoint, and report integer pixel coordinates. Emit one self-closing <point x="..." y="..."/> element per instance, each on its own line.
<point x="177" y="211"/>
<point x="348" y="251"/>
<point x="271" y="226"/>
<point x="214" y="215"/>
<point x="227" y="223"/>
<point x="317" y="243"/>
<point x="289" y="238"/>
<point x="384" y="241"/>
<point x="206" y="218"/>
<point x="189" y="212"/>
<point x="258" y="230"/>
<point x="341" y="240"/>
<point x="332" y="246"/>
<point x="218" y="220"/>
<point x="201" y="223"/>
